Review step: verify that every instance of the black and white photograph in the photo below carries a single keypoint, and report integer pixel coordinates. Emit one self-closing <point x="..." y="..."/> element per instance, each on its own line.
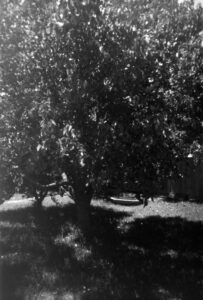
<point x="101" y="149"/>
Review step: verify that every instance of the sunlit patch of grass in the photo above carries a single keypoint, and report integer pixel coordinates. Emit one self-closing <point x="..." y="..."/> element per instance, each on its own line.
<point x="50" y="278"/>
<point x="72" y="237"/>
<point x="9" y="225"/>
<point x="162" y="293"/>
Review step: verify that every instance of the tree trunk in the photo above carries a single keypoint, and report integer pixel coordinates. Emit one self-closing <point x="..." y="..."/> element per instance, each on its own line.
<point x="39" y="197"/>
<point x="83" y="214"/>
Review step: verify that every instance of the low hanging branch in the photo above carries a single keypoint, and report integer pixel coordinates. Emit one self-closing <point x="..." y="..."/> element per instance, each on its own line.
<point x="40" y="191"/>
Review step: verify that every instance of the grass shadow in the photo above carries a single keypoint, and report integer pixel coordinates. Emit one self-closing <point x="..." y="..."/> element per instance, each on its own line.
<point x="150" y="258"/>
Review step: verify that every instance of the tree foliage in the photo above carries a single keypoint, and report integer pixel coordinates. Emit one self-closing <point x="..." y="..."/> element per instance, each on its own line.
<point x="106" y="92"/>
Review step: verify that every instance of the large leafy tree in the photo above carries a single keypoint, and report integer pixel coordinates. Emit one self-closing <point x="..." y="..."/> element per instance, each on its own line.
<point x="103" y="91"/>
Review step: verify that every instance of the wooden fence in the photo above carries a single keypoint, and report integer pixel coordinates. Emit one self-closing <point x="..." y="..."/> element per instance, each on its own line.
<point x="190" y="184"/>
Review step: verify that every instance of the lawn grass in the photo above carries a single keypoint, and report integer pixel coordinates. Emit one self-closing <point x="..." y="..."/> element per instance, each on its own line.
<point x="134" y="253"/>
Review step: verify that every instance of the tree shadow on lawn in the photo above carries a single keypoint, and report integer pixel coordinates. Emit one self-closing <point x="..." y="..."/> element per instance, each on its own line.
<point x="151" y="258"/>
